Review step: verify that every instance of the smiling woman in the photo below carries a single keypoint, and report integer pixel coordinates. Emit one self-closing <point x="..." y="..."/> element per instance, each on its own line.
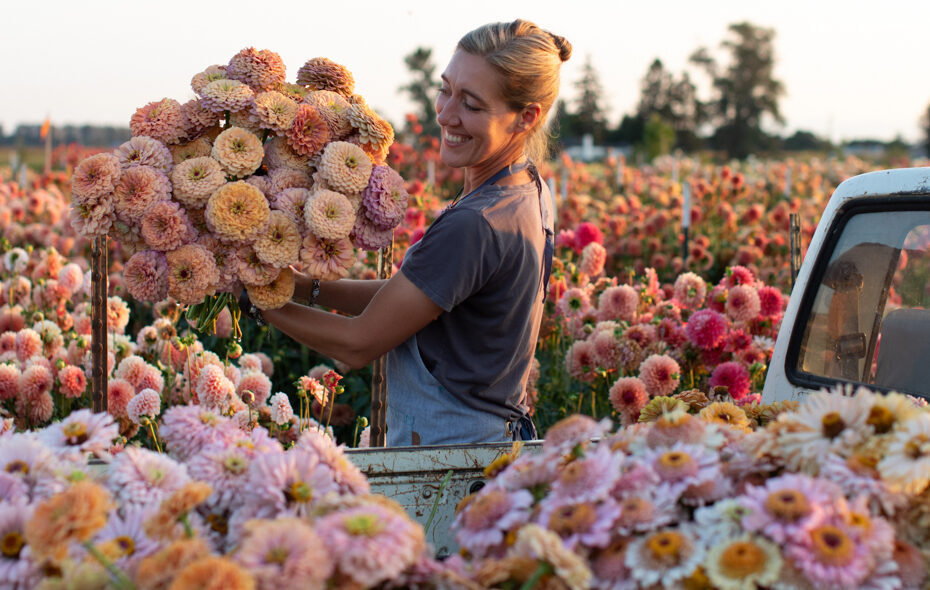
<point x="460" y="320"/>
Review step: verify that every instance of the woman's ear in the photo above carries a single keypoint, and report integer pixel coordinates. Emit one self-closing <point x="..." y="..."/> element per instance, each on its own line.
<point x="529" y="116"/>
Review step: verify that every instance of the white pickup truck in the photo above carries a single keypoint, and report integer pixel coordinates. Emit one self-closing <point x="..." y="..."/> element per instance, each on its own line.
<point x="858" y="314"/>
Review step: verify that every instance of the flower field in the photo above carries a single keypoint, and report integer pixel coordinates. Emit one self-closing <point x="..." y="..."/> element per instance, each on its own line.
<point x="219" y="461"/>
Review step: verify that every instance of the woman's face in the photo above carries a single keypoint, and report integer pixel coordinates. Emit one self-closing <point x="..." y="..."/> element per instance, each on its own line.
<point x="478" y="128"/>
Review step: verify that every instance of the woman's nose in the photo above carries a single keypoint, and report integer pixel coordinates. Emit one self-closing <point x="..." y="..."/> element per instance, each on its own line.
<point x="445" y="114"/>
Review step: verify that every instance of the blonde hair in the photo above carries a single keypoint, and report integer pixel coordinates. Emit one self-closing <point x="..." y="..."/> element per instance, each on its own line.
<point x="528" y="59"/>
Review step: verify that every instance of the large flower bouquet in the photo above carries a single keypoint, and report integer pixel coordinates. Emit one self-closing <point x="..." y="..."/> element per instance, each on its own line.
<point x="829" y="493"/>
<point x="237" y="185"/>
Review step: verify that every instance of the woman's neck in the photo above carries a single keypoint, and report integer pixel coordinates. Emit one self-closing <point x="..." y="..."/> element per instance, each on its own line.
<point x="477" y="175"/>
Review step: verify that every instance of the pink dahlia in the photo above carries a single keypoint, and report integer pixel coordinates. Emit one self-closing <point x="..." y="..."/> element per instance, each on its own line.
<point x="372" y="543"/>
<point x="281" y="411"/>
<point x="291" y="201"/>
<point x="28" y="344"/>
<point x="82" y="432"/>
<point x="165" y="227"/>
<point x="309" y="131"/>
<point x="321" y="73"/>
<point x="743" y="303"/>
<point x="771" y="302"/>
<point x="585" y="233"/>
<point x="707" y="329"/>
<point x="138" y="477"/>
<point x="260" y="69"/>
<point x="256" y="382"/>
<point x="226" y="95"/>
<point x="211" y="74"/>
<point x="732" y="375"/>
<point x="385" y="198"/>
<point x="618" y="303"/>
<point x="73" y="381"/>
<point x="787" y="506"/>
<point x="287" y="483"/>
<point x="144" y="151"/>
<point x="628" y="396"/>
<point x="581" y="362"/>
<point x="577" y="429"/>
<point x="34" y="381"/>
<point x="593" y="257"/>
<point x="579" y="523"/>
<point x="145" y="403"/>
<point x="95" y="176"/>
<point x="481" y="526"/>
<point x="326" y="259"/>
<point x="273" y="110"/>
<point x="117" y="315"/>
<point x="607" y="349"/>
<point x="689" y="290"/>
<point x="139" y="188"/>
<point x="188" y="429"/>
<point x="197" y="118"/>
<point x="588" y="479"/>
<point x="71" y="277"/>
<point x="119" y="392"/>
<point x="660" y="374"/>
<point x="9" y="381"/>
<point x="192" y="274"/>
<point x="238" y="151"/>
<point x="367" y="236"/>
<point x="739" y="275"/>
<point x="146" y="276"/>
<point x="214" y="389"/>
<point x="285" y="554"/>
<point x="162" y="120"/>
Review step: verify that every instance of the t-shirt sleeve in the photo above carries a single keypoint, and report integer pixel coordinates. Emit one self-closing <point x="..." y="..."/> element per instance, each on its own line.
<point x="454" y="259"/>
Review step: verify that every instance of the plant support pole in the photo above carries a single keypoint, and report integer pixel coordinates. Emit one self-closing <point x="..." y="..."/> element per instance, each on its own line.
<point x="379" y="388"/>
<point x="98" y="343"/>
<point x="794" y="239"/>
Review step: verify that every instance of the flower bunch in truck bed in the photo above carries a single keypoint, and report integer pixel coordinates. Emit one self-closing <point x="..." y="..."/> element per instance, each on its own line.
<point x="252" y="176"/>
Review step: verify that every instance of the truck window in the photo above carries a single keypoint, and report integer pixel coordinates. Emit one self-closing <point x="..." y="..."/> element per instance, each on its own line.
<point x="869" y="321"/>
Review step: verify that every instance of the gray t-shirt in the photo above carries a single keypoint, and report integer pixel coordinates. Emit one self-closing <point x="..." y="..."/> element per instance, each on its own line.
<point x="481" y="262"/>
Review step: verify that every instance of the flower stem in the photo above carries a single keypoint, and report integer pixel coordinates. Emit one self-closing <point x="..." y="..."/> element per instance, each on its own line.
<point x="543" y="569"/>
<point x="432" y="512"/>
<point x="119" y="576"/>
<point x="188" y="530"/>
<point x="154" y="436"/>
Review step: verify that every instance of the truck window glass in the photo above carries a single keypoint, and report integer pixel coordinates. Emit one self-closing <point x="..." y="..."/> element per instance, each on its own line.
<point x="870" y="321"/>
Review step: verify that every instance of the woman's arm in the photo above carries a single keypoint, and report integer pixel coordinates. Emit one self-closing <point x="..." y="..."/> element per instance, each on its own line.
<point x="345" y="295"/>
<point x="398" y="310"/>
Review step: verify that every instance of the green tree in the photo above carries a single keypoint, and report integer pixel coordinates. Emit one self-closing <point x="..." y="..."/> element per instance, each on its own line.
<point x="422" y="89"/>
<point x="658" y="136"/>
<point x="745" y="90"/>
<point x="590" y="116"/>
<point x="674" y="100"/>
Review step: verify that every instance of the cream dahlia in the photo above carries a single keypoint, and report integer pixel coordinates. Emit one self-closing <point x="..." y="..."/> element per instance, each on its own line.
<point x="261" y="69"/>
<point x="226" y="95"/>
<point x="279" y="244"/>
<point x="327" y="260"/>
<point x="238" y="151"/>
<point x="237" y="211"/>
<point x="272" y="110"/>
<point x="196" y="179"/>
<point x="144" y="151"/>
<point x="192" y="274"/>
<point x="139" y="188"/>
<point x="345" y="167"/>
<point x="193" y="149"/>
<point x="275" y="294"/>
<point x="321" y="73"/>
<point x="334" y="108"/>
<point x="329" y="215"/>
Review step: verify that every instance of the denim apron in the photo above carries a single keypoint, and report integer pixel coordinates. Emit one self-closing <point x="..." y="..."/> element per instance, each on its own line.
<point x="421" y="411"/>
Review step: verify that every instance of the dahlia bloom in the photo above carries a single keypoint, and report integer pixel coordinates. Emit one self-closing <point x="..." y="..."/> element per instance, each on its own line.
<point x="373" y="134"/>
<point x="309" y="132"/>
<point x="119" y="392"/>
<point x="9" y="381"/>
<point x="292" y="201"/>
<point x="92" y="217"/>
<point x="71" y="277"/>
<point x="618" y="303"/>
<point x="144" y="151"/>
<point x="281" y="411"/>
<point x="188" y="429"/>
<point x="73" y="381"/>
<point x="771" y="302"/>
<point x="660" y="374"/>
<point x="261" y="69"/>
<point x="278" y="154"/>
<point x="372" y="543"/>
<point x="321" y="73"/>
<point x="162" y="120"/>
<point x="192" y="274"/>
<point x="706" y="329"/>
<point x="238" y="151"/>
<point x="276" y="293"/>
<point x="211" y="74"/>
<point x="80" y="433"/>
<point x="165" y="227"/>
<point x="581" y="362"/>
<point x="689" y="290"/>
<point x="196" y="148"/>
<point x="480" y="527"/>
<point x="575" y="430"/>
<point x="346" y="168"/>
<point x="95" y="176"/>
<point x="251" y="269"/>
<point x="226" y="95"/>
<point x="214" y="389"/>
<point x="329" y="215"/>
<point x="743" y="303"/>
<point x="593" y="257"/>
<point x="197" y="118"/>
<point x="367" y="236"/>
<point x="734" y="376"/>
<point x="334" y="108"/>
<point x="237" y="212"/>
<point x="194" y="180"/>
<point x="279" y="244"/>
<point x="273" y="110"/>
<point x="145" y="403"/>
<point x="628" y="396"/>
<point x="284" y="178"/>
<point x="257" y="383"/>
<point x="385" y="198"/>
<point x="284" y="554"/>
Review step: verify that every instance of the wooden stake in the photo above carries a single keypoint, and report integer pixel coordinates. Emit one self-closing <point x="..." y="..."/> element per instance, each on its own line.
<point x="379" y="387"/>
<point x="98" y="345"/>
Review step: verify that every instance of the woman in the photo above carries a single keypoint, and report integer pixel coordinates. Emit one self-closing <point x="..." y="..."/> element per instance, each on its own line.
<point x="459" y="321"/>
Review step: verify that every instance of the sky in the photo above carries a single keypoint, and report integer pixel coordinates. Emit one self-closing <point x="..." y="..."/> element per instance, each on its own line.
<point x="851" y="69"/>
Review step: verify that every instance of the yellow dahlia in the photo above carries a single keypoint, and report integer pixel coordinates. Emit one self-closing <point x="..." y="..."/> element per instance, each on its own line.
<point x="329" y="215"/>
<point x="156" y="571"/>
<point x="237" y="211"/>
<point x="309" y="131"/>
<point x="194" y="180"/>
<point x="345" y="167"/>
<point x="272" y="110"/>
<point x="279" y="244"/>
<point x="334" y="108"/>
<point x="275" y="294"/>
<point x="213" y="573"/>
<point x="726" y="413"/>
<point x="238" y="151"/>
<point x="73" y="515"/>
<point x="321" y="73"/>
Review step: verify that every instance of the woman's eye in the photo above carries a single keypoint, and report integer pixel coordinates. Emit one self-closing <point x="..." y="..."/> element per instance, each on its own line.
<point x="470" y="107"/>
<point x="443" y="90"/>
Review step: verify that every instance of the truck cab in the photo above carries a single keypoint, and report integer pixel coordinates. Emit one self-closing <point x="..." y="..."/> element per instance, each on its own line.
<point x="859" y="313"/>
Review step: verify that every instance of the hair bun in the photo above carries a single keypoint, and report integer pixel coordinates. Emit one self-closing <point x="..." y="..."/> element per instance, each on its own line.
<point x="564" y="47"/>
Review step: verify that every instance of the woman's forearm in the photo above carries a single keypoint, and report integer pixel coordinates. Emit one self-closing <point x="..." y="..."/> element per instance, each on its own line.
<point x="346" y="295"/>
<point x="329" y="334"/>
